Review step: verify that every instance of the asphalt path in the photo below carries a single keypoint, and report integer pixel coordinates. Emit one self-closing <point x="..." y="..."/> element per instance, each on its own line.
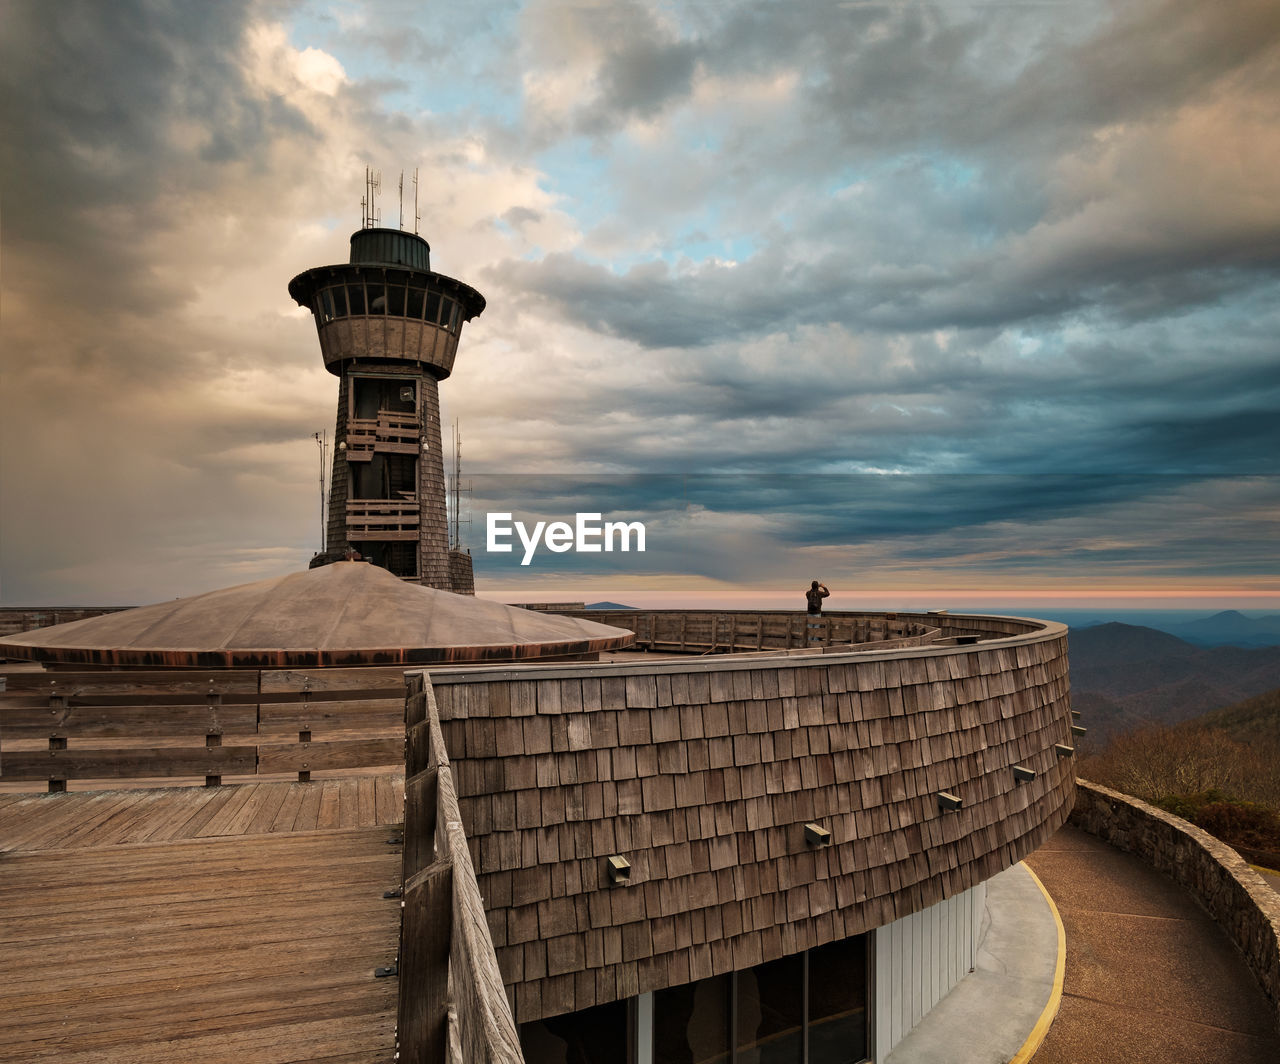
<point x="1149" y="977"/>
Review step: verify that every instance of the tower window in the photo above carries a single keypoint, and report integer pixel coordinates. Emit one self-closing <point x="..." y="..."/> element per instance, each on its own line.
<point x="377" y="299"/>
<point x="395" y="300"/>
<point x="355" y="294"/>
<point x="433" y="306"/>
<point x="339" y="301"/>
<point x="413" y="308"/>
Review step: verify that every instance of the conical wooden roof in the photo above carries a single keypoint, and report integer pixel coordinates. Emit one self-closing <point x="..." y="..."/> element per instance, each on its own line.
<point x="348" y="613"/>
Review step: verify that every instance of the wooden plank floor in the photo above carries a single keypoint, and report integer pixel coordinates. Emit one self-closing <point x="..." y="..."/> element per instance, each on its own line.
<point x="236" y="925"/>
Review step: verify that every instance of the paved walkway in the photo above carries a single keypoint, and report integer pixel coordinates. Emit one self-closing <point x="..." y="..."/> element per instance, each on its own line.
<point x="988" y="1017"/>
<point x="1272" y="878"/>
<point x="1149" y="977"/>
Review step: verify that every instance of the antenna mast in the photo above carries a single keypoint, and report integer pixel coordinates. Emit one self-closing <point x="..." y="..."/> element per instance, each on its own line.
<point x="322" y="440"/>
<point x="456" y="491"/>
<point x="370" y="215"/>
<point x="402" y="201"/>
<point x="416" y="216"/>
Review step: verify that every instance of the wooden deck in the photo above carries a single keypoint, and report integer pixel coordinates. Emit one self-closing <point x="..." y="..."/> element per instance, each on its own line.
<point x="237" y="925"/>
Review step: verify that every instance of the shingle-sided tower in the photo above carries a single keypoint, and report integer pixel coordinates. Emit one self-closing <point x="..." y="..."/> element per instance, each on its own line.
<point x="389" y="330"/>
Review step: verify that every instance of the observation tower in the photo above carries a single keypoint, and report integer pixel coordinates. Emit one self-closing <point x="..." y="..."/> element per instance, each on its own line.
<point x="389" y="329"/>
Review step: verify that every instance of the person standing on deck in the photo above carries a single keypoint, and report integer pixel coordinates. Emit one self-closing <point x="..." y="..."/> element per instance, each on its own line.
<point x="814" y="596"/>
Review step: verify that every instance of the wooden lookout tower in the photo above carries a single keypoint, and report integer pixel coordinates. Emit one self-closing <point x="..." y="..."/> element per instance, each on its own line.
<point x="389" y="330"/>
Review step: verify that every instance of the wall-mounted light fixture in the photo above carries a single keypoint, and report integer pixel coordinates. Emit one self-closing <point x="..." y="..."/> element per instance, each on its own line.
<point x="1077" y="730"/>
<point x="1063" y="750"/>
<point x="619" y="870"/>
<point x="1023" y="774"/>
<point x="817" y="835"/>
<point x="949" y="802"/>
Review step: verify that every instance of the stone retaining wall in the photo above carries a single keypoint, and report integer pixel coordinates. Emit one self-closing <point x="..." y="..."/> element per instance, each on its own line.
<point x="1219" y="878"/>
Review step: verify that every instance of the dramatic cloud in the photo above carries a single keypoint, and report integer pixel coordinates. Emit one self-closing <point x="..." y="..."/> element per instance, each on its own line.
<point x="920" y="294"/>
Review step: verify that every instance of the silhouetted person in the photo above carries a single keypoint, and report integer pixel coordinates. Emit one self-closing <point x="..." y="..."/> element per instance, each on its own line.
<point x="816" y="593"/>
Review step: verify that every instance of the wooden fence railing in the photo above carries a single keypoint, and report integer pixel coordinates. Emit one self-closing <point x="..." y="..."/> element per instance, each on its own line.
<point x="216" y="724"/>
<point x="733" y="631"/>
<point x="452" y="1005"/>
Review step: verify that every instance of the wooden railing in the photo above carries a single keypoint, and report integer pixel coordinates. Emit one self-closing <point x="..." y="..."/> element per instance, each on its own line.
<point x="25" y="618"/>
<point x="731" y="631"/>
<point x="216" y="724"/>
<point x="452" y="1004"/>
<point x="382" y="518"/>
<point x="388" y="433"/>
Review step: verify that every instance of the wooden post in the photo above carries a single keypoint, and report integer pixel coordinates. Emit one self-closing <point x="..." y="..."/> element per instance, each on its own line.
<point x="425" y="931"/>
<point x="304" y="733"/>
<point x="213" y="739"/>
<point x="420" y="801"/>
<point x="304" y="773"/>
<point x="57" y="701"/>
<point x="417" y="749"/>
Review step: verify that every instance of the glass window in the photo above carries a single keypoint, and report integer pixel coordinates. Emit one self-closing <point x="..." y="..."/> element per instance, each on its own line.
<point x="340" y="301"/>
<point x="770" y="1007"/>
<point x="433" y="306"/>
<point x="326" y="305"/>
<point x="377" y="299"/>
<point x="691" y="1022"/>
<point x="591" y="1036"/>
<point x="413" y="308"/>
<point x="838" y="1002"/>
<point x="446" y="312"/>
<point x="355" y="295"/>
<point x="395" y="300"/>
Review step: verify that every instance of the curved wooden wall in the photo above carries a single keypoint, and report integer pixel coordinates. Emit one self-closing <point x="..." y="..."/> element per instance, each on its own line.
<point x="703" y="774"/>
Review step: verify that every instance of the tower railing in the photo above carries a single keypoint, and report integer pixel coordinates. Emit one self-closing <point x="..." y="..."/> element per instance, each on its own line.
<point x="390" y="432"/>
<point x="383" y="519"/>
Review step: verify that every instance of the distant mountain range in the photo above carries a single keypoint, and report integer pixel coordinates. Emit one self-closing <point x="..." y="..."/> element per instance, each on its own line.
<point x="1123" y="675"/>
<point x="1230" y="628"/>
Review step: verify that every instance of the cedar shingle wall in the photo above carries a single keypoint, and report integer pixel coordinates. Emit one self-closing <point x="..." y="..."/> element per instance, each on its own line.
<point x="703" y="774"/>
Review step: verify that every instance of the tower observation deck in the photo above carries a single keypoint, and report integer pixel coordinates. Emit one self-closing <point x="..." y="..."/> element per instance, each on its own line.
<point x="389" y="330"/>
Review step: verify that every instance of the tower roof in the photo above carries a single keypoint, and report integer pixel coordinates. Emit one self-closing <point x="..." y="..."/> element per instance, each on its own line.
<point x="391" y="247"/>
<point x="348" y="613"/>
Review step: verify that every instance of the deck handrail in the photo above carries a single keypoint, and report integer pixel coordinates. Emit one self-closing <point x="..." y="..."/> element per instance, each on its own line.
<point x="276" y="721"/>
<point x="452" y="1002"/>
<point x="739" y="631"/>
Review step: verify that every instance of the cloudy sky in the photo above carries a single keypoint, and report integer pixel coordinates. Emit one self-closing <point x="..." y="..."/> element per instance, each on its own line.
<point x="940" y="302"/>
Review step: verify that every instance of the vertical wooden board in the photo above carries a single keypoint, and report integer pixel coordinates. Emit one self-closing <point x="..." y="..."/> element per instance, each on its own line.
<point x="348" y="803"/>
<point x="329" y="813"/>
<point x="309" y="811"/>
<point x="424" y="965"/>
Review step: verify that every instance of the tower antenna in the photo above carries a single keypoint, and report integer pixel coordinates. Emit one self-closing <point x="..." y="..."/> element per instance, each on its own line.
<point x="371" y="216"/>
<point x="457" y="490"/>
<point x="322" y="440"/>
<point x="416" y="216"/>
<point x="402" y="201"/>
